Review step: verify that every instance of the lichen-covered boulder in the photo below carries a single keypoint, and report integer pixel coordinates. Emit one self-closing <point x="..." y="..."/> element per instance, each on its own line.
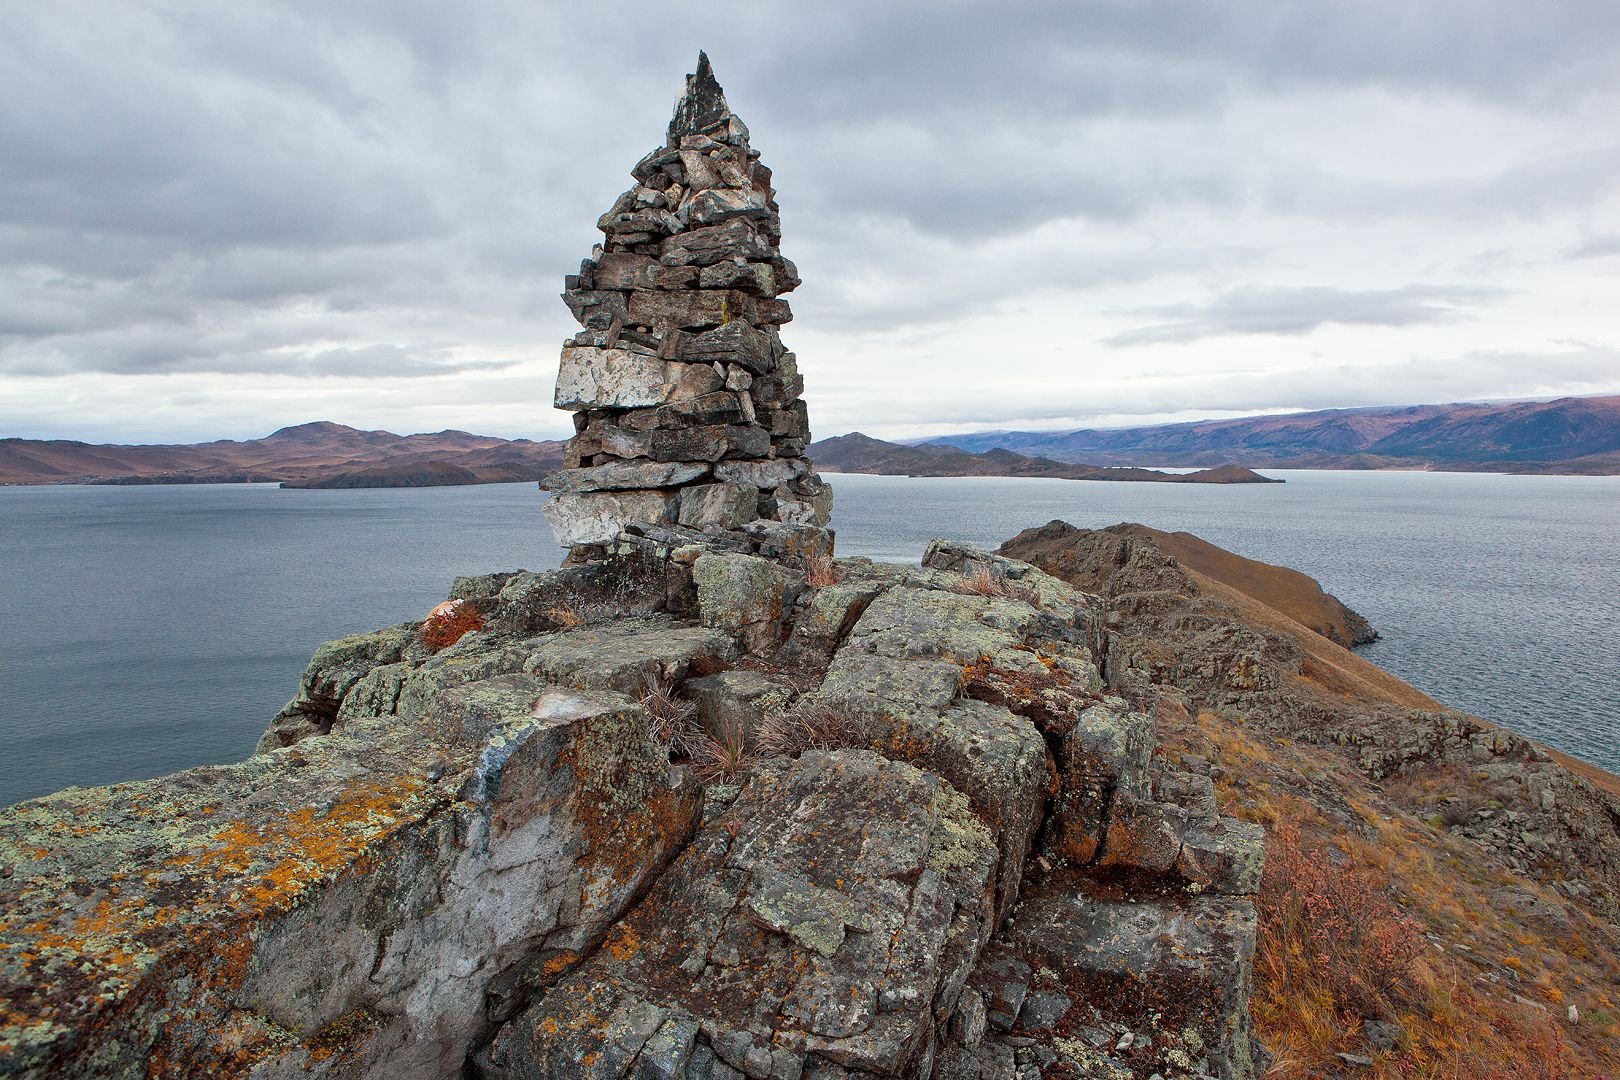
<point x="818" y="928"/>
<point x="1105" y="753"/>
<point x="744" y="594"/>
<point x="1177" y="971"/>
<point x="899" y="676"/>
<point x="736" y="700"/>
<point x="623" y="655"/>
<point x="341" y="908"/>
<point x="333" y="671"/>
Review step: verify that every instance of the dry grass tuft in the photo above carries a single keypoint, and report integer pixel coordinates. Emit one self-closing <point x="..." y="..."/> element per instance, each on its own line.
<point x="449" y="623"/>
<point x="981" y="580"/>
<point x="562" y="618"/>
<point x="804" y="727"/>
<point x="671" y="721"/>
<point x="820" y="571"/>
<point x="724" y="758"/>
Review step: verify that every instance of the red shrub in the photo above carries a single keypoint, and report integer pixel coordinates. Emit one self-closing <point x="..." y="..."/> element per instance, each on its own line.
<point x="1335" y="926"/>
<point x="449" y="622"/>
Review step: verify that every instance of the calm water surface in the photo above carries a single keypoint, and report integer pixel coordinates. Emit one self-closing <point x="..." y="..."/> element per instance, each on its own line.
<point x="148" y="629"/>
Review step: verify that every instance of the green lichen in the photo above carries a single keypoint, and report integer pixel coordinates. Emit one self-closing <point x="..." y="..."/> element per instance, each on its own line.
<point x="959" y="838"/>
<point x="1091" y="1062"/>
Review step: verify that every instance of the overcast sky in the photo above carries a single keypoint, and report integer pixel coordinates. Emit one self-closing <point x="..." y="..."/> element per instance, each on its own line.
<point x="218" y="219"/>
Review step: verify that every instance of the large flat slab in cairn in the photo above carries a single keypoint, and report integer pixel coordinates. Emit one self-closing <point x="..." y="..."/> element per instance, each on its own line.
<point x="817" y="925"/>
<point x="341" y="907"/>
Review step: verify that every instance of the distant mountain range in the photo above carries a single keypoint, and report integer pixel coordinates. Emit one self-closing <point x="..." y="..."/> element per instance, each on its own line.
<point x="1570" y="435"/>
<point x="327" y="455"/>
<point x="1579" y="435"/>
<point x="309" y="455"/>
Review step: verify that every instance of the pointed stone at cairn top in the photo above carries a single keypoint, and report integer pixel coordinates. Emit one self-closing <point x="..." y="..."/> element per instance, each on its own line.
<point x="703" y="106"/>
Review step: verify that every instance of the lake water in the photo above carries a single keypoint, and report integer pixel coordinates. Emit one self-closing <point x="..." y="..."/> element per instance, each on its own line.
<point x="148" y="629"/>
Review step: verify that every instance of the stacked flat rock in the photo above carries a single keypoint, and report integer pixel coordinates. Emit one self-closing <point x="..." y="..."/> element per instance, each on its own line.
<point x="687" y="409"/>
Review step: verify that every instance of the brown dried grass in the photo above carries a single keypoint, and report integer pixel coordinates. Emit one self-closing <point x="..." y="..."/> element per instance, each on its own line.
<point x="804" y="727"/>
<point x="671" y="721"/>
<point x="724" y="758"/>
<point x="820" y="571"/>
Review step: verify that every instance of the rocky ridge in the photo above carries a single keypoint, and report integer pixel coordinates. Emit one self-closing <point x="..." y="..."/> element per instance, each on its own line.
<point x="445" y="856"/>
<point x="1185" y="634"/>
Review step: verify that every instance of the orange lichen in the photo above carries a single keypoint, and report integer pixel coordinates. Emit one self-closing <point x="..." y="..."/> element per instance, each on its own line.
<point x="343" y="1036"/>
<point x="623" y="943"/>
<point x="558" y="964"/>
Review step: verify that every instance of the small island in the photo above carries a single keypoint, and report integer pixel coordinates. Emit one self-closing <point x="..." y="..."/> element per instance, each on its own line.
<point x="858" y="453"/>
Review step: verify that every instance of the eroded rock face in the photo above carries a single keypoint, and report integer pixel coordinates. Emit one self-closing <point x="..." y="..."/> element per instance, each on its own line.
<point x="816" y="928"/>
<point x="340" y="908"/>
<point x="686" y="404"/>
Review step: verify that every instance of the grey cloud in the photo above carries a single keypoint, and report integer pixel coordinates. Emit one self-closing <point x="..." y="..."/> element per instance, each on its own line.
<point x="908" y="281"/>
<point x="387" y="189"/>
<point x="1595" y="247"/>
<point x="1302" y="310"/>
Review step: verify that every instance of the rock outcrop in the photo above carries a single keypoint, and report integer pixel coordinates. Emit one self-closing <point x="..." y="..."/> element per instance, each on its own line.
<point x="439" y="857"/>
<point x="366" y="903"/>
<point x="687" y="407"/>
<point x="1229" y="638"/>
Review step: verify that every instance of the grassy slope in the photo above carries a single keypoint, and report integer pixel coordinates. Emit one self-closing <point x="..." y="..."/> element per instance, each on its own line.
<point x="1490" y="994"/>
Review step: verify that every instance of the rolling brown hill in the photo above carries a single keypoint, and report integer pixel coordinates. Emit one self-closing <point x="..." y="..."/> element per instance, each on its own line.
<point x="320" y="454"/>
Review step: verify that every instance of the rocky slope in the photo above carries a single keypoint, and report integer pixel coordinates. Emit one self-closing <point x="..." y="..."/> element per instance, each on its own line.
<point x="443" y="855"/>
<point x="309" y="455"/>
<point x="1497" y="859"/>
<point x="1569" y="435"/>
<point x="1289" y="593"/>
<point x="962" y="820"/>
<point x="858" y="453"/>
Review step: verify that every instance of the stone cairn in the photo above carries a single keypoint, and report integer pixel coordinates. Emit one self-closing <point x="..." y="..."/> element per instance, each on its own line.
<point x="687" y="411"/>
